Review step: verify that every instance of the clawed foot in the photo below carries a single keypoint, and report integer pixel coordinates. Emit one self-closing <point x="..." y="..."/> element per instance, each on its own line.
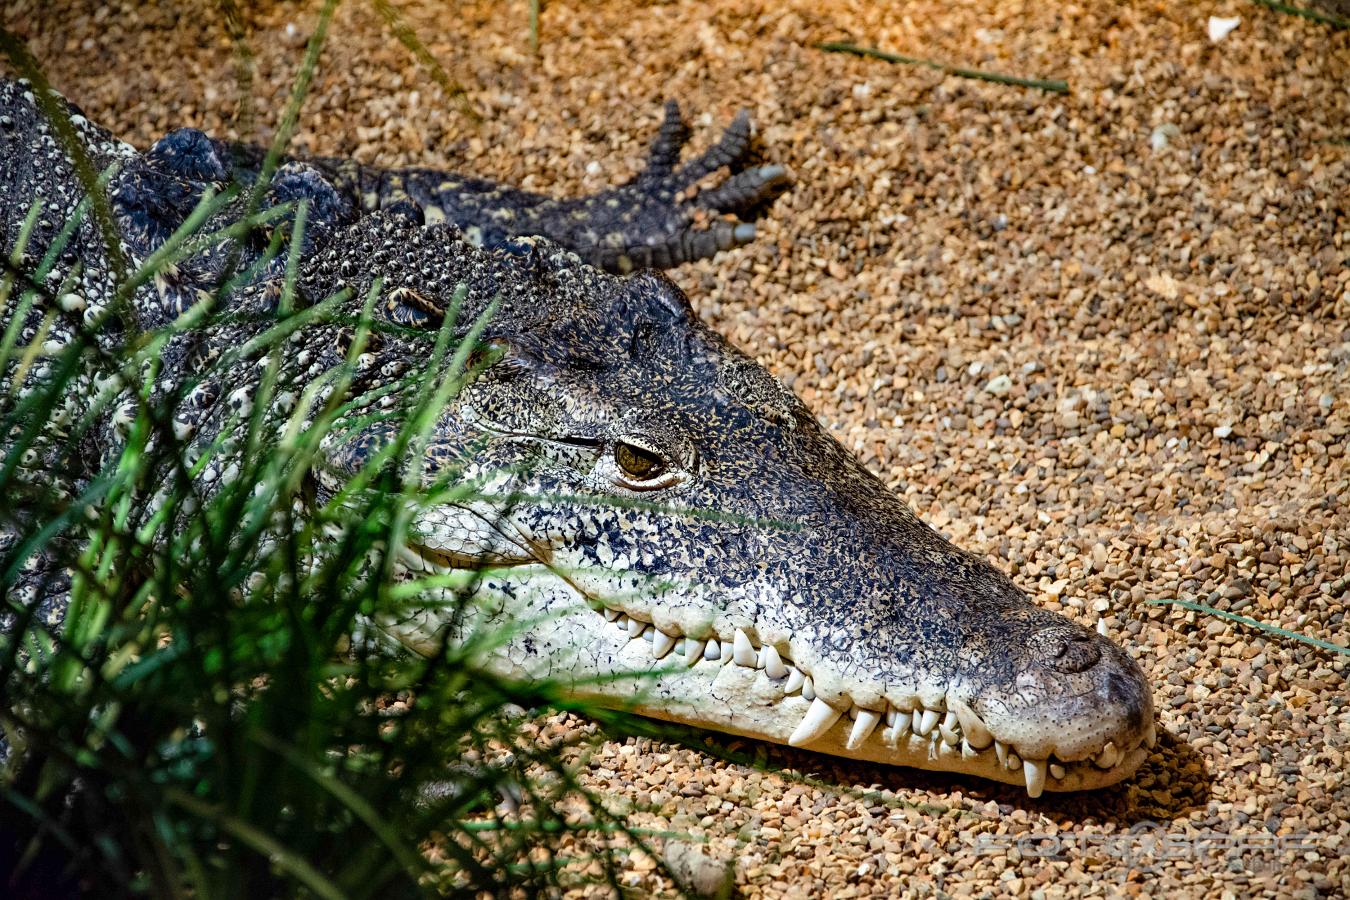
<point x="661" y="218"/>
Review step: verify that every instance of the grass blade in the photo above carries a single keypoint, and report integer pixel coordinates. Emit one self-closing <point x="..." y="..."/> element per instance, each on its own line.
<point x="1052" y="85"/>
<point x="1253" y="623"/>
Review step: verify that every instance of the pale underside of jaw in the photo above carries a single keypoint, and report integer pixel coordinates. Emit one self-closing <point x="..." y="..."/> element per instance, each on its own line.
<point x="733" y="684"/>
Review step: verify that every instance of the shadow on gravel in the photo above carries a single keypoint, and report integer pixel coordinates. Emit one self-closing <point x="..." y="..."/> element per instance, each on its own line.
<point x="1170" y="784"/>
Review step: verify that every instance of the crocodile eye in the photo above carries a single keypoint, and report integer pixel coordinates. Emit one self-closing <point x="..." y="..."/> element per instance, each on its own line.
<point x="638" y="463"/>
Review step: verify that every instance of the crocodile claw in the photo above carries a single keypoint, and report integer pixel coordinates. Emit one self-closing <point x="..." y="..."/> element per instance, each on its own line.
<point x="660" y="219"/>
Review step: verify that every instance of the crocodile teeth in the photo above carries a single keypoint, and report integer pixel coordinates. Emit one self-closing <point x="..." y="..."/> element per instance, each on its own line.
<point x="1001" y="751"/>
<point x="411" y="559"/>
<point x="862" y="727"/>
<point x="795" y="680"/>
<point x="818" y="720"/>
<point x="1108" y="757"/>
<point x="662" y="644"/>
<point x="1057" y="771"/>
<point x="891" y="716"/>
<point x="928" y="722"/>
<point x="648" y="632"/>
<point x="809" y="688"/>
<point x="611" y="614"/>
<point x="974" y="729"/>
<point x="694" y="650"/>
<point x="743" y="652"/>
<point x="1014" y="761"/>
<point x="915" y="720"/>
<point x="949" y="721"/>
<point x="1033" y="770"/>
<point x="967" y="751"/>
<point x="773" y="663"/>
<point x="635" y="627"/>
<point x="712" y="651"/>
<point x="949" y="737"/>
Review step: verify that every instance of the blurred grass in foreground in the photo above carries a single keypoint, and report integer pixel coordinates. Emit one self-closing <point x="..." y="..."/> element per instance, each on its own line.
<point x="212" y="714"/>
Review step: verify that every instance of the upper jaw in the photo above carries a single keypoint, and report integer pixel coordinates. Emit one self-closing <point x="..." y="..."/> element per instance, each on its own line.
<point x="751" y="690"/>
<point x="769" y="684"/>
<point x="731" y="680"/>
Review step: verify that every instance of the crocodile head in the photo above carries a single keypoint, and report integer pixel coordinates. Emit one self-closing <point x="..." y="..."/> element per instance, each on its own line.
<point x="669" y="529"/>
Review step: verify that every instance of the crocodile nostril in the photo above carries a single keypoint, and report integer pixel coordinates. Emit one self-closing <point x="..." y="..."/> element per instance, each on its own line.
<point x="1064" y="649"/>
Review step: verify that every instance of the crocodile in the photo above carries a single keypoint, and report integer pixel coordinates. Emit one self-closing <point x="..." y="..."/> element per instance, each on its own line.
<point x="617" y="441"/>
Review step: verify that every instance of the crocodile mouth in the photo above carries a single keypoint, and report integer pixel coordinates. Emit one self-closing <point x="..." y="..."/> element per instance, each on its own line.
<point x="945" y="735"/>
<point x="738" y="684"/>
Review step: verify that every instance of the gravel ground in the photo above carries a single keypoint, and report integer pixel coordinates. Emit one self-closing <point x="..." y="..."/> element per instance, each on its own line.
<point x="1101" y="337"/>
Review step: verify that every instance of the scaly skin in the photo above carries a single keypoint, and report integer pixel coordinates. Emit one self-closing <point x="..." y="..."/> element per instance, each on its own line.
<point x="814" y="609"/>
<point x="655" y="221"/>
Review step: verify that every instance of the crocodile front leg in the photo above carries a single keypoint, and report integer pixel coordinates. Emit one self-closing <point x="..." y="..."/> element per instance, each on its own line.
<point x="658" y="220"/>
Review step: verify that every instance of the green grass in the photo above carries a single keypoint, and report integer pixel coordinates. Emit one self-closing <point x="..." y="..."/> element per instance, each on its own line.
<point x="215" y="715"/>
<point x="1052" y="85"/>
<point x="1306" y="13"/>
<point x="1255" y="623"/>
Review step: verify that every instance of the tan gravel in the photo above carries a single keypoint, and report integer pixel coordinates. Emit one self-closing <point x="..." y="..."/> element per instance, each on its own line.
<point x="1103" y="338"/>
